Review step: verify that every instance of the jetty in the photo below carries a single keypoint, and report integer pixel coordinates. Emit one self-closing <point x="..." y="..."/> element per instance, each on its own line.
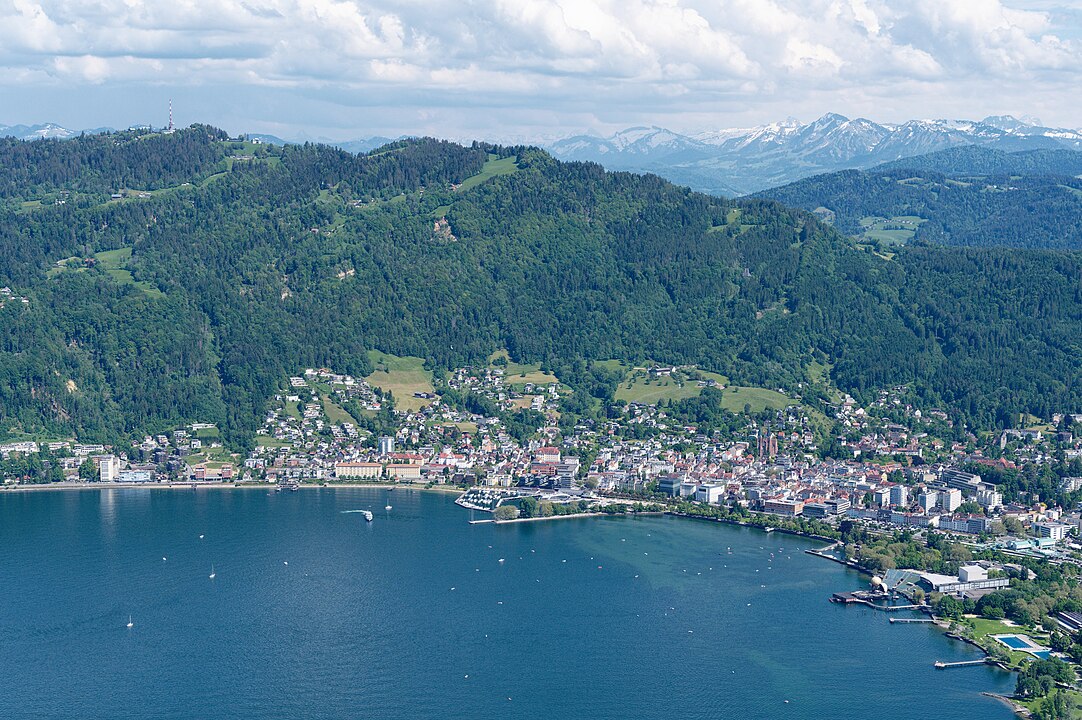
<point x="940" y="665"/>
<point x="911" y="620"/>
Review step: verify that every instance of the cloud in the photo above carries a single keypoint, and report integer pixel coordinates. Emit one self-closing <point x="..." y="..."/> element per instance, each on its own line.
<point x="576" y="59"/>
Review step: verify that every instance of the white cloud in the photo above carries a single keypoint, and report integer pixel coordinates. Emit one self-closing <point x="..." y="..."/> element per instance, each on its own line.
<point x="570" y="59"/>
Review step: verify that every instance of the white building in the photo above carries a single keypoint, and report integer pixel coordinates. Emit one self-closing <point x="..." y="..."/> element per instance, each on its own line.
<point x="109" y="468"/>
<point x="709" y="493"/>
<point x="386" y="445"/>
<point x="1053" y="530"/>
<point x="950" y="499"/>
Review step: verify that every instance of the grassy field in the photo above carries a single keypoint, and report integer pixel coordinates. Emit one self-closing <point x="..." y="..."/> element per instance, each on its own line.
<point x="114" y="263"/>
<point x="983" y="627"/>
<point x="336" y="414"/>
<point x="492" y="168"/>
<point x="268" y="441"/>
<point x="522" y="373"/>
<point x="891" y="231"/>
<point x="735" y="397"/>
<point x="402" y="376"/>
<point x="638" y="387"/>
<point x="650" y="392"/>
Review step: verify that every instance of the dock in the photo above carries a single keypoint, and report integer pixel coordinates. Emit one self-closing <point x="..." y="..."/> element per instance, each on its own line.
<point x="940" y="665"/>
<point x="911" y="620"/>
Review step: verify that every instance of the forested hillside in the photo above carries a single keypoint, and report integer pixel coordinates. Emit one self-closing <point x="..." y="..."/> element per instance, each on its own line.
<point x="969" y="196"/>
<point x="283" y="258"/>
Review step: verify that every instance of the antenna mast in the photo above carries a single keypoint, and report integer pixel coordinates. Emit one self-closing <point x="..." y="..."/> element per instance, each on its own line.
<point x="170" y="116"/>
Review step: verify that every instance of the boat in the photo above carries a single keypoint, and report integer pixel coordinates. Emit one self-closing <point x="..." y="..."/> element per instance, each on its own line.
<point x="212" y="573"/>
<point x="387" y="508"/>
<point x="130" y="623"/>
<point x="368" y="515"/>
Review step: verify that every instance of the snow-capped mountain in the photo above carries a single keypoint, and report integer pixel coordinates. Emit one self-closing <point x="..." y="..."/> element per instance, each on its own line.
<point x="45" y="131"/>
<point x="745" y="160"/>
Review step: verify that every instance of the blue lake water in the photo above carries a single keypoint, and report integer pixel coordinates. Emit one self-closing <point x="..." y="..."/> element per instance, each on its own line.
<point x="314" y="613"/>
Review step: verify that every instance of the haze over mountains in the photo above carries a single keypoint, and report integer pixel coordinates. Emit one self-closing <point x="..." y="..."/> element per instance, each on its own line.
<point x="741" y="161"/>
<point x="747" y="160"/>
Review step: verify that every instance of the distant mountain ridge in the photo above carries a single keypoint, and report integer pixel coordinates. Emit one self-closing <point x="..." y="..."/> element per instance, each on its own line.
<point x="971" y="195"/>
<point x="45" y="131"/>
<point x="52" y="131"/>
<point x="746" y="160"/>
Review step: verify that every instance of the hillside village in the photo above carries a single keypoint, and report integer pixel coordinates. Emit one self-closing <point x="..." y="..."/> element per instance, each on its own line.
<point x="890" y="465"/>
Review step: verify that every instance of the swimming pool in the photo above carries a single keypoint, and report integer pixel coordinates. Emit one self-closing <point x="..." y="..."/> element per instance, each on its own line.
<point x="1014" y="642"/>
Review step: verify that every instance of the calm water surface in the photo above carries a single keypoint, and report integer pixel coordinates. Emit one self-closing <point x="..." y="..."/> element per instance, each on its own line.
<point x="315" y="613"/>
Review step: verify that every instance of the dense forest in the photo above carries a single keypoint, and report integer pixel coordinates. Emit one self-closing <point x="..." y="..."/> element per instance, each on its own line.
<point x="285" y="258"/>
<point x="968" y="196"/>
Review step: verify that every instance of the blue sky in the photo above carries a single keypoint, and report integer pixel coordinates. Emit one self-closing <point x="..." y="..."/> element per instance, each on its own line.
<point x="533" y="69"/>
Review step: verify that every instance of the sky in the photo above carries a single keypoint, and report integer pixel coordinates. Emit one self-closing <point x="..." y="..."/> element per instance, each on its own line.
<point x="517" y="70"/>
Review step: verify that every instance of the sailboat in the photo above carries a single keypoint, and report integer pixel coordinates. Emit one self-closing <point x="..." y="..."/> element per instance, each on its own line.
<point x="212" y="573"/>
<point x="130" y="623"/>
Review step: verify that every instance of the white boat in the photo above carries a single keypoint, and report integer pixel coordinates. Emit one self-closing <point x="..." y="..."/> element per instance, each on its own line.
<point x="368" y="515"/>
<point x="130" y="623"/>
<point x="212" y="573"/>
<point x="387" y="508"/>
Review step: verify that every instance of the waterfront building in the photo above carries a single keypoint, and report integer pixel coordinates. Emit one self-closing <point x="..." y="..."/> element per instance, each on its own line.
<point x="974" y="579"/>
<point x="710" y="493"/>
<point x="406" y="472"/>
<point x="108" y="468"/>
<point x="670" y="485"/>
<point x="357" y="470"/>
<point x="781" y="506"/>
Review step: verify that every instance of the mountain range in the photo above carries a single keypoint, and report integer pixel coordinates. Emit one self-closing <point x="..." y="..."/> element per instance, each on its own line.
<point x="743" y="161"/>
<point x="746" y="160"/>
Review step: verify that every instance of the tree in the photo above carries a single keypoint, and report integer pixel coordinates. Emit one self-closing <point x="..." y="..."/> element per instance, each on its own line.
<point x="87" y="471"/>
<point x="506" y="512"/>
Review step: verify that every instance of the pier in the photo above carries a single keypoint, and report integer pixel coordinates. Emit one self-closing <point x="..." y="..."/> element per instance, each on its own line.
<point x="912" y="620"/>
<point x="940" y="665"/>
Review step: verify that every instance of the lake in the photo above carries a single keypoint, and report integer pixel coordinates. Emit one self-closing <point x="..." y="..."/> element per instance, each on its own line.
<point x="315" y="613"/>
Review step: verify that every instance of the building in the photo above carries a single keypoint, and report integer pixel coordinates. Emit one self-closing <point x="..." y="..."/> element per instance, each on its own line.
<point x="108" y="468"/>
<point x="768" y="444"/>
<point x="899" y="496"/>
<point x="406" y="472"/>
<point x="781" y="506"/>
<point x="927" y="500"/>
<point x="970" y="578"/>
<point x="358" y="470"/>
<point x="950" y="499"/>
<point x="881" y="497"/>
<point x="547" y="455"/>
<point x="670" y="485"/>
<point x="1054" y="530"/>
<point x="838" y="507"/>
<point x="135" y="476"/>
<point x="386" y="445"/>
<point x="968" y="483"/>
<point x="709" y="493"/>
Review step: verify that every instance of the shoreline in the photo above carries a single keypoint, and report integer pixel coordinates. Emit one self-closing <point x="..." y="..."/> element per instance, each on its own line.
<point x="198" y="485"/>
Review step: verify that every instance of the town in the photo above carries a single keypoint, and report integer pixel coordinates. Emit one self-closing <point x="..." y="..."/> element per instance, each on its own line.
<point x="891" y="463"/>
